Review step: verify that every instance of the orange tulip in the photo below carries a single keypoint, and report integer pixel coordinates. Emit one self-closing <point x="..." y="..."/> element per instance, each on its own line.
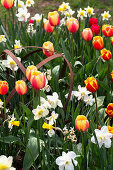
<point x="110" y="129"/>
<point x="87" y="34"/>
<point x="98" y="42"/>
<point x="38" y="80"/>
<point x="53" y="18"/>
<point x="112" y="40"/>
<point x="106" y="54"/>
<point x="50" y="49"/>
<point x="112" y="75"/>
<point x="29" y="70"/>
<point x="7" y="3"/>
<point x="109" y="110"/>
<point x="48" y="27"/>
<point x="91" y="84"/>
<point x="21" y="87"/>
<point x="72" y="25"/>
<point x="4" y="87"/>
<point x="81" y="123"/>
<point x="107" y="30"/>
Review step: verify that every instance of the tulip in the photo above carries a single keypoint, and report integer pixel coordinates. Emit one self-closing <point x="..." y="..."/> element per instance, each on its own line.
<point x="48" y="27"/>
<point x="31" y="21"/>
<point x="72" y="25"/>
<point x="95" y="29"/>
<point x="98" y="42"/>
<point x="21" y="87"/>
<point x="110" y="129"/>
<point x="107" y="30"/>
<point x="81" y="123"/>
<point x="87" y="34"/>
<point x="3" y="87"/>
<point x="112" y="40"/>
<point x="29" y="70"/>
<point x="48" y="48"/>
<point x="38" y="80"/>
<point x="112" y="75"/>
<point x="93" y="21"/>
<point x="53" y="18"/>
<point x="106" y="54"/>
<point x="91" y="84"/>
<point x="109" y="110"/>
<point x="7" y="3"/>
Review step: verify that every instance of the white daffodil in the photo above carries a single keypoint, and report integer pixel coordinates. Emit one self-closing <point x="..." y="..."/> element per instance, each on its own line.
<point x="103" y="137"/>
<point x="44" y="20"/>
<point x="29" y="3"/>
<point x="30" y="29"/>
<point x="48" y="76"/>
<point x="1" y="104"/>
<point x="47" y="88"/>
<point x="66" y="161"/>
<point x="12" y="122"/>
<point x="81" y="93"/>
<point x="63" y="7"/>
<point x="89" y="100"/>
<point x="39" y="112"/>
<point x="63" y="22"/>
<point x="17" y="45"/>
<point x="51" y="132"/>
<point x="6" y="163"/>
<point x="69" y="13"/>
<point x="19" y="4"/>
<point x="81" y="14"/>
<point x="89" y="11"/>
<point x="45" y="103"/>
<point x="10" y="63"/>
<point x="37" y="18"/>
<point x="54" y="101"/>
<point x="65" y="130"/>
<point x="2" y="38"/>
<point x="105" y="15"/>
<point x="23" y="14"/>
<point x="52" y="118"/>
<point x="72" y="95"/>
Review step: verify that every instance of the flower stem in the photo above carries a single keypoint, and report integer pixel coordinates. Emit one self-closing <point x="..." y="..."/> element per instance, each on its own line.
<point x="96" y="109"/>
<point x="23" y="111"/>
<point x="4" y="107"/>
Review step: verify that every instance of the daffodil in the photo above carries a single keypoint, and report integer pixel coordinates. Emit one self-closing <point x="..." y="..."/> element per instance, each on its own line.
<point x="105" y="15"/>
<point x="51" y="132"/>
<point x="6" y="163"/>
<point x="39" y="112"/>
<point x="89" y="100"/>
<point x="19" y="4"/>
<point x="89" y="11"/>
<point x="12" y="122"/>
<point x="52" y="118"/>
<point x="17" y="47"/>
<point x="2" y="38"/>
<point x="23" y="14"/>
<point x="37" y="18"/>
<point x="29" y="3"/>
<point x="81" y="14"/>
<point x="63" y="7"/>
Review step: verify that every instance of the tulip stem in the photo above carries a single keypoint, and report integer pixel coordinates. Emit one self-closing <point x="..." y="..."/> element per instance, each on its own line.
<point x="33" y="96"/>
<point x="108" y="74"/>
<point x="39" y="97"/>
<point x="23" y="110"/>
<point x="4" y="106"/>
<point x="96" y="109"/>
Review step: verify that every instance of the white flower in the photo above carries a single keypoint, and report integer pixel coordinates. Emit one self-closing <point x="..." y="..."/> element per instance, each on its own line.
<point x="103" y="137"/>
<point x="44" y="20"/>
<point x="6" y="163"/>
<point x="17" y="46"/>
<point x="10" y="63"/>
<point x="105" y="15"/>
<point x="81" y="93"/>
<point x="69" y="13"/>
<point x="65" y="162"/>
<point x="89" y="11"/>
<point x="38" y="18"/>
<point x="51" y="132"/>
<point x="29" y="3"/>
<point x="45" y="103"/>
<point x="81" y="14"/>
<point x="52" y="118"/>
<point x="72" y="95"/>
<point x="54" y="101"/>
<point x="63" y="22"/>
<point x="12" y="122"/>
<point x="23" y="14"/>
<point x="39" y="112"/>
<point x="1" y="104"/>
<point x="48" y="74"/>
<point x="2" y="38"/>
<point x="19" y="4"/>
<point x="47" y="88"/>
<point x="30" y="29"/>
<point x="63" y="7"/>
<point x="89" y="100"/>
<point x="65" y="130"/>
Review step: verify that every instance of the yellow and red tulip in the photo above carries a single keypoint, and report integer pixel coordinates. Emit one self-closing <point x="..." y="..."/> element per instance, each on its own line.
<point x="48" y="27"/>
<point x="21" y="87"/>
<point x="109" y="110"/>
<point x="81" y="123"/>
<point x="98" y="42"/>
<point x="4" y="87"/>
<point x="53" y="18"/>
<point x="48" y="48"/>
<point x="38" y="80"/>
<point x="91" y="84"/>
<point x="87" y="34"/>
<point x="72" y="25"/>
<point x="29" y="70"/>
<point x="107" y="30"/>
<point x="106" y="54"/>
<point x="7" y="3"/>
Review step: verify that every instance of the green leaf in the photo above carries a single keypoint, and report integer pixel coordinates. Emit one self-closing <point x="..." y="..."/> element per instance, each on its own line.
<point x="10" y="139"/>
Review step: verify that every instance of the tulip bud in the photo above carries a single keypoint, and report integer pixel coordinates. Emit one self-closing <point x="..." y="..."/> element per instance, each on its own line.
<point x="109" y="110"/>
<point x="21" y="87"/>
<point x="93" y="21"/>
<point x="112" y="75"/>
<point x="29" y="70"/>
<point x="7" y="3"/>
<point x="38" y="80"/>
<point x="53" y="18"/>
<point x="3" y="87"/>
<point x="106" y="54"/>
<point x="98" y="42"/>
<point x="81" y="123"/>
<point x="72" y="25"/>
<point x="50" y="49"/>
<point x="87" y="34"/>
<point x="48" y="27"/>
<point x="107" y="30"/>
<point x="95" y="29"/>
<point x="91" y="84"/>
